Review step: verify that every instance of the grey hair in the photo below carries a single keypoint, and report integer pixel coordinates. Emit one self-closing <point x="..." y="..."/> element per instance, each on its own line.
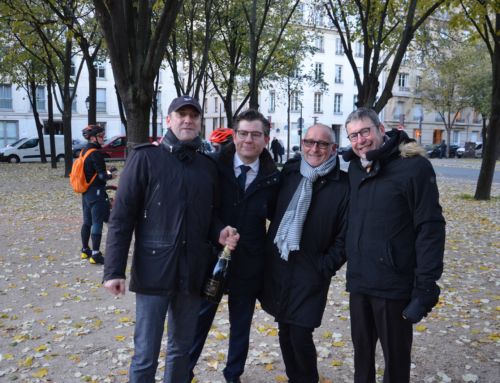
<point x="362" y="113"/>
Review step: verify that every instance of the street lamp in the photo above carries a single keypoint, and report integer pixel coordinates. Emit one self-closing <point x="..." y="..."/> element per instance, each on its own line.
<point x="87" y="102"/>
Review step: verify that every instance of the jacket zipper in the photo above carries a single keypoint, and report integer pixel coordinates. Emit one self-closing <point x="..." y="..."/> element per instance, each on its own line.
<point x="151" y="200"/>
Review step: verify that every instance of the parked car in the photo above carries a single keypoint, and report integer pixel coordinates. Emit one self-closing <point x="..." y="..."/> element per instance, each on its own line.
<point x="343" y="149"/>
<point x="28" y="150"/>
<point x="478" y="153"/>
<point x="434" y="153"/>
<point x="114" y="147"/>
<point x="77" y="147"/>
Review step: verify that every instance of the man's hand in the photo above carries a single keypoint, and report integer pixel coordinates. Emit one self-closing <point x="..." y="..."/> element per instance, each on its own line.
<point x="113" y="176"/>
<point x="115" y="286"/>
<point x="228" y="238"/>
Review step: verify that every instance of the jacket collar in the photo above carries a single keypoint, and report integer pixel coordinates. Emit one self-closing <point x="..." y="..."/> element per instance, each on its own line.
<point x="293" y="165"/>
<point x="226" y="158"/>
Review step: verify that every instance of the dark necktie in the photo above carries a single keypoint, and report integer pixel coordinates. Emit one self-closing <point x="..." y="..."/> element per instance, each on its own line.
<point x="242" y="178"/>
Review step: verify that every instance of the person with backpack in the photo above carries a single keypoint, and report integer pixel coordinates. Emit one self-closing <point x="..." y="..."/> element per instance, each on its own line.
<point x="95" y="202"/>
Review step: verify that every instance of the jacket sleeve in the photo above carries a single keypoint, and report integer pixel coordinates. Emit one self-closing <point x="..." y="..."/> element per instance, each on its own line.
<point x="129" y="198"/>
<point x="335" y="257"/>
<point x="216" y="224"/>
<point x="100" y="165"/>
<point x="272" y="200"/>
<point x="429" y="224"/>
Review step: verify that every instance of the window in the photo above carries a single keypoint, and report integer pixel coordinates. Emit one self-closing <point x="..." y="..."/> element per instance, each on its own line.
<point x="73" y="105"/>
<point x="39" y="99"/>
<point x="294" y="102"/>
<point x="417" y="83"/>
<point x="296" y="73"/>
<point x="359" y="49"/>
<point x="439" y="118"/>
<point x="272" y="101"/>
<point x="158" y="102"/>
<point x="399" y="110"/>
<point x="216" y="109"/>
<point x="319" y="16"/>
<point x="456" y="138"/>
<point x="8" y="133"/>
<point x="320" y="44"/>
<point x="417" y="112"/>
<point x="318" y="98"/>
<point x="476" y="119"/>
<point x="339" y="49"/>
<point x="436" y="136"/>
<point x="337" y="103"/>
<point x="473" y="137"/>
<point x="318" y="73"/>
<point x="5" y="97"/>
<point x="300" y="12"/>
<point x="216" y="123"/>
<point x="403" y="81"/>
<point x="72" y="70"/>
<point x="100" y="70"/>
<point x="338" y="74"/>
<point x="100" y="105"/>
<point x="355" y="100"/>
<point x="206" y="105"/>
<point x="460" y="117"/>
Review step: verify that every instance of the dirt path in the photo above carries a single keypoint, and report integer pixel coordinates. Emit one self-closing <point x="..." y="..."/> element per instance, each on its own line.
<point x="59" y="324"/>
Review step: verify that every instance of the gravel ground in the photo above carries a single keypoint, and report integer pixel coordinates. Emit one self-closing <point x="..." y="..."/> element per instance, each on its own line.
<point x="58" y="324"/>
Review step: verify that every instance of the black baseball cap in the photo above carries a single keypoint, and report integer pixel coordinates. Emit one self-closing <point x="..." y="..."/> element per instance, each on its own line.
<point x="179" y="102"/>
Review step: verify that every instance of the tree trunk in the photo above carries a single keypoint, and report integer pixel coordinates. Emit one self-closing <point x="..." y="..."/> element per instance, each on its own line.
<point x="139" y="119"/>
<point x="92" y="112"/>
<point x="120" y="110"/>
<point x="67" y="101"/>
<point x="39" y="125"/>
<point x="483" y="132"/>
<point x="50" y="106"/>
<point x="154" y="122"/>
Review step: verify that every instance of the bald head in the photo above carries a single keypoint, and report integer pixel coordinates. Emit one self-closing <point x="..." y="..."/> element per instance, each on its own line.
<point x="321" y="128"/>
<point x="316" y="135"/>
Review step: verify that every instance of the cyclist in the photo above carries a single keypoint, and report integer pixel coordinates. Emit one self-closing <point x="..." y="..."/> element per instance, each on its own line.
<point x="219" y="138"/>
<point x="95" y="203"/>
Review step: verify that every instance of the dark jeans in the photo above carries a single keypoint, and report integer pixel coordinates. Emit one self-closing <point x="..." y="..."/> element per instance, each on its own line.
<point x="299" y="353"/>
<point x="151" y="311"/>
<point x="96" y="207"/>
<point x="241" y="308"/>
<point x="374" y="318"/>
<point x="442" y="153"/>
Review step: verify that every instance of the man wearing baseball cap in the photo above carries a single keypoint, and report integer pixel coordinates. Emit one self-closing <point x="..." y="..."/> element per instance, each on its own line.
<point x="168" y="196"/>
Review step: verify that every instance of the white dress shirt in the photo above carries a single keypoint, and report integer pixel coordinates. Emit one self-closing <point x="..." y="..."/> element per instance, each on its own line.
<point x="251" y="174"/>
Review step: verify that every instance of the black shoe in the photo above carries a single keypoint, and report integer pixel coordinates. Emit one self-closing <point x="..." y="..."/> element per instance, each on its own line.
<point x="237" y="380"/>
<point x="86" y="253"/>
<point x="97" y="259"/>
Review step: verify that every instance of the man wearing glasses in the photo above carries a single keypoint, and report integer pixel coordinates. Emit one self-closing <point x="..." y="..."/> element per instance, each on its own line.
<point x="249" y="183"/>
<point x="395" y="243"/>
<point x="306" y="247"/>
<point x="95" y="201"/>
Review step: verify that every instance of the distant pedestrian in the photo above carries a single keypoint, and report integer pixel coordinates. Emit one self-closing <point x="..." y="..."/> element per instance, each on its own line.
<point x="275" y="148"/>
<point x="442" y="150"/>
<point x="282" y="150"/>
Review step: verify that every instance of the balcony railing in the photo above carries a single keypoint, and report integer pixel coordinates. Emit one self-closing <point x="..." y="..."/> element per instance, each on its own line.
<point x="340" y="53"/>
<point x="339" y="80"/>
<point x="404" y="89"/>
<point x="338" y="113"/>
<point x="477" y="121"/>
<point x="416" y="118"/>
<point x="460" y="120"/>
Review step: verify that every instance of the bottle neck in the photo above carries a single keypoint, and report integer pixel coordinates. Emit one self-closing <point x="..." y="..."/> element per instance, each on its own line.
<point x="226" y="253"/>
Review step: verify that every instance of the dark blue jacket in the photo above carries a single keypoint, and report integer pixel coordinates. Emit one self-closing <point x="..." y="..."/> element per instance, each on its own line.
<point x="247" y="213"/>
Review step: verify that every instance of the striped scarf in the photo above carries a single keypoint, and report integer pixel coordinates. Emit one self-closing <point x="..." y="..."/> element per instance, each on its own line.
<point x="290" y="229"/>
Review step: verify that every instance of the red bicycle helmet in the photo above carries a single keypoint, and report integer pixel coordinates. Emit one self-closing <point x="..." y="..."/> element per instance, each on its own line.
<point x="221" y="136"/>
<point x="92" y="130"/>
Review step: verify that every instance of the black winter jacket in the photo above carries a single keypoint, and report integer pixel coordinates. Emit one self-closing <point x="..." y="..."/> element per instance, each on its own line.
<point x="248" y="214"/>
<point x="172" y="207"/>
<point x="396" y="229"/>
<point x="93" y="164"/>
<point x="295" y="291"/>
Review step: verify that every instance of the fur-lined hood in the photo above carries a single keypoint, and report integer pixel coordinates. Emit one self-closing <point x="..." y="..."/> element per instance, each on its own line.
<point x="411" y="148"/>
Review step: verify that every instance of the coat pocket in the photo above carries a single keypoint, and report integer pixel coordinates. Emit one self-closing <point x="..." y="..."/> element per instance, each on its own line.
<point x="155" y="265"/>
<point x="390" y="258"/>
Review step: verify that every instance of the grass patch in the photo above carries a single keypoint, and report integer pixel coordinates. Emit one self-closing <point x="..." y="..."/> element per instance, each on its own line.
<point x="470" y="197"/>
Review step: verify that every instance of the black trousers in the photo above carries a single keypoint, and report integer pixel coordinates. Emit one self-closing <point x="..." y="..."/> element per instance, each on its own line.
<point x="299" y="353"/>
<point x="374" y="318"/>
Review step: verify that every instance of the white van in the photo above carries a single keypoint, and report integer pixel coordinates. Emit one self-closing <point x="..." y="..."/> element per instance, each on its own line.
<point x="28" y="150"/>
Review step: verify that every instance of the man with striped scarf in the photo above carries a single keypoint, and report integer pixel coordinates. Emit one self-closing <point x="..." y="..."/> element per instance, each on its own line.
<point x="306" y="246"/>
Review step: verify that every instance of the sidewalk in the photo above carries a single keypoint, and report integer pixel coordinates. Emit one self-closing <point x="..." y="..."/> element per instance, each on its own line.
<point x="461" y="162"/>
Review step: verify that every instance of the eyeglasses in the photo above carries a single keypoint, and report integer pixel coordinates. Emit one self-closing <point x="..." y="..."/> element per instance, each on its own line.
<point x="243" y="134"/>
<point x="101" y="135"/>
<point x="321" y="144"/>
<point x="365" y="132"/>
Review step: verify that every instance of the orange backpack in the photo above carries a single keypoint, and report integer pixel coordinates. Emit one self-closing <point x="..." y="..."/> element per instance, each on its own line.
<point x="77" y="176"/>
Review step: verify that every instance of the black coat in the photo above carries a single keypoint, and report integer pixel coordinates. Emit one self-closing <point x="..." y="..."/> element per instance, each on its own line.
<point x="295" y="291"/>
<point x="93" y="164"/>
<point x="173" y="208"/>
<point x="275" y="146"/>
<point x="248" y="214"/>
<point x="396" y="227"/>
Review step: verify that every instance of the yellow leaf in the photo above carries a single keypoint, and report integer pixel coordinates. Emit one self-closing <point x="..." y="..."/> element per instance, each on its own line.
<point x="122" y="372"/>
<point x="124" y="319"/>
<point x="79" y="324"/>
<point x="44" y="294"/>
<point x="41" y="348"/>
<point x="12" y="285"/>
<point x="8" y="356"/>
<point x="194" y="380"/>
<point x="420" y="328"/>
<point x="272" y="333"/>
<point x="474" y="332"/>
<point x="483" y="341"/>
<point x="281" y="379"/>
<point x="72" y="357"/>
<point x="65" y="295"/>
<point x="41" y="373"/>
<point x="343" y="318"/>
<point x="483" y="268"/>
<point x="28" y="362"/>
<point x="269" y="367"/>
<point x="492" y="337"/>
<point x="14" y="317"/>
<point x="338" y="344"/>
<point x="119" y="337"/>
<point x="220" y="337"/>
<point x="326" y="335"/>
<point x="336" y="363"/>
<point x="38" y="310"/>
<point x="97" y="323"/>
